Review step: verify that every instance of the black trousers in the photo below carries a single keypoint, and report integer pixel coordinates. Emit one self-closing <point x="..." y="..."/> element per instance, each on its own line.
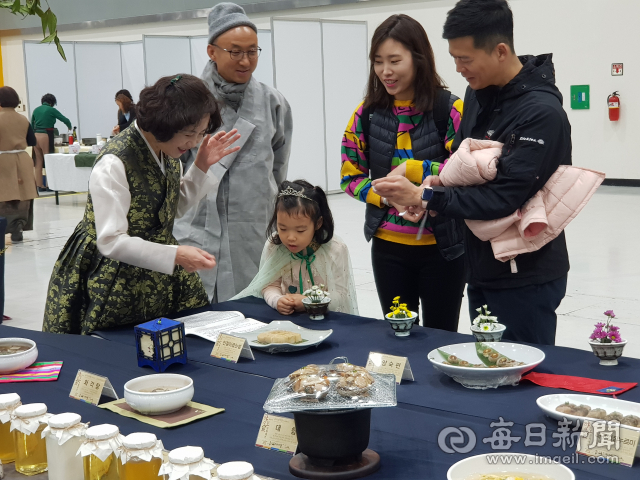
<point x="419" y="275"/>
<point x="528" y="312"/>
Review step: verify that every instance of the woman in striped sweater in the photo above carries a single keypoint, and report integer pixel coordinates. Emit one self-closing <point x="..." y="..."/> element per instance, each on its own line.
<point x="406" y="126"/>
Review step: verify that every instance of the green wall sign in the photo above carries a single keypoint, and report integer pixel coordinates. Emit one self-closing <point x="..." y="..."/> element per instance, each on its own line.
<point x="580" y="97"/>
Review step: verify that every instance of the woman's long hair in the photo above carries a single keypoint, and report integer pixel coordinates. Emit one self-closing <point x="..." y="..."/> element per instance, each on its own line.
<point x="409" y="32"/>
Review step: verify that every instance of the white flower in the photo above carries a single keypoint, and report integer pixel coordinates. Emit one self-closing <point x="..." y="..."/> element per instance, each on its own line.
<point x="479" y="310"/>
<point x="486" y="327"/>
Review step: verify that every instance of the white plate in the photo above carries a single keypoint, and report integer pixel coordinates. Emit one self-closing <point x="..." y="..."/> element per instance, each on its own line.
<point x="312" y="337"/>
<point x="483" y="378"/>
<point x="549" y="403"/>
<point x="479" y="464"/>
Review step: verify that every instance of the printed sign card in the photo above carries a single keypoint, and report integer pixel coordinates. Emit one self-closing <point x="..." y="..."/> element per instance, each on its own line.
<point x="231" y="348"/>
<point x="88" y="387"/>
<point x="383" y="363"/>
<point x="277" y="433"/>
<point x="610" y="440"/>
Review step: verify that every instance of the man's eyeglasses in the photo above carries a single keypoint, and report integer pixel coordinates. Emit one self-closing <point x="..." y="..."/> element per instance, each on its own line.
<point x="239" y="54"/>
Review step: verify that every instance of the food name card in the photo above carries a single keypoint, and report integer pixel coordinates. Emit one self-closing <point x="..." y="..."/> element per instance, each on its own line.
<point x="278" y="433"/>
<point x="88" y="387"/>
<point x="383" y="363"/>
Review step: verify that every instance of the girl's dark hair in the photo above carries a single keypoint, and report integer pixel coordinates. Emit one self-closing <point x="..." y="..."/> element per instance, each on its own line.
<point x="409" y="32"/>
<point x="315" y="209"/>
<point x="175" y="103"/>
<point x="49" y="99"/>
<point x="9" y="98"/>
<point x="124" y="92"/>
<point x="127" y="103"/>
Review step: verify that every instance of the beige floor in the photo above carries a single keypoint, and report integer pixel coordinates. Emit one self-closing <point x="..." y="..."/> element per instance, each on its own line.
<point x="605" y="264"/>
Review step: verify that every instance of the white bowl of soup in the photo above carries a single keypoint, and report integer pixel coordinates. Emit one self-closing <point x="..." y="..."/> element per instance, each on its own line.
<point x="159" y="394"/>
<point x="16" y="354"/>
<point x="502" y="466"/>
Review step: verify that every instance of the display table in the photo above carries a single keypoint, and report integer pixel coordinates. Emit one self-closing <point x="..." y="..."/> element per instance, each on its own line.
<point x="406" y="436"/>
<point x="63" y="175"/>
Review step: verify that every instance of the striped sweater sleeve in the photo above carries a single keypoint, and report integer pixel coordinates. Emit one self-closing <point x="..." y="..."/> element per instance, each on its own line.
<point x="418" y="170"/>
<point x="354" y="172"/>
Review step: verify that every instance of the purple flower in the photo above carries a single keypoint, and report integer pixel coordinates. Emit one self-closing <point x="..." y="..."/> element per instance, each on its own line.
<point x="599" y="325"/>
<point x="609" y="313"/>
<point x="615" y="337"/>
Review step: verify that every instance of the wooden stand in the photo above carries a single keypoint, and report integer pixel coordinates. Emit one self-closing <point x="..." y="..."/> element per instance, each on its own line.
<point x="303" y="466"/>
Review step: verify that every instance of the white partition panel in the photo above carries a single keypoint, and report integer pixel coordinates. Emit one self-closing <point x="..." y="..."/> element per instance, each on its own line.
<point x="46" y="72"/>
<point x="264" y="71"/>
<point x="199" y="57"/>
<point x="165" y="56"/>
<point x="298" y="67"/>
<point x="98" y="77"/>
<point x="345" y="47"/>
<point x="132" y="55"/>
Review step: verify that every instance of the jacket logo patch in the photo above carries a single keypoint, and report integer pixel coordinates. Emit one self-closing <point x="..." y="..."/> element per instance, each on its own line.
<point x="527" y="139"/>
<point x="489" y="134"/>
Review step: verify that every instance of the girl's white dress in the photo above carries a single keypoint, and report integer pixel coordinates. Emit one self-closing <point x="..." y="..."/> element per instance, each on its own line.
<point x="281" y="271"/>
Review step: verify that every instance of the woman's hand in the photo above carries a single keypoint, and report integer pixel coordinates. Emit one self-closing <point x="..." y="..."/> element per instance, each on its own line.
<point x="116" y="130"/>
<point x="193" y="259"/>
<point x="215" y="147"/>
<point x="286" y="305"/>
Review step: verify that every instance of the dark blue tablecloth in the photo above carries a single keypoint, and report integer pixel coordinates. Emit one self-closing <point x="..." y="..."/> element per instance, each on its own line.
<point x="354" y="337"/>
<point x="405" y="436"/>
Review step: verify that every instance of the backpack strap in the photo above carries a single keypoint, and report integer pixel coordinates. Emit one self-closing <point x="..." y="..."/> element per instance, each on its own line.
<point x="441" y="112"/>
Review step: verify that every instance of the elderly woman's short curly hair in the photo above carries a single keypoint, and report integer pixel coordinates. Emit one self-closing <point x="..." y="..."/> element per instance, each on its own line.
<point x="173" y="104"/>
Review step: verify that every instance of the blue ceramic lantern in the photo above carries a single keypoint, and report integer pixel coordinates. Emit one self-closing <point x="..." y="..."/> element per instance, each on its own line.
<point x="160" y="343"/>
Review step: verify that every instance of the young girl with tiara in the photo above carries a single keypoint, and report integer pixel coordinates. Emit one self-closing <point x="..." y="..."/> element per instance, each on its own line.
<point x="301" y="251"/>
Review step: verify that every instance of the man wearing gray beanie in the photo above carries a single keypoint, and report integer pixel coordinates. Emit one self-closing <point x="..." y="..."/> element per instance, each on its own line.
<point x="231" y="223"/>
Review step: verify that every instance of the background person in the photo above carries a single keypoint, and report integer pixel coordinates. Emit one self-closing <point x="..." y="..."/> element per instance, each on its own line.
<point x="42" y="121"/>
<point x="406" y="124"/>
<point x="231" y="222"/>
<point x="126" y="111"/>
<point x="122" y="265"/>
<point x="513" y="100"/>
<point x="17" y="181"/>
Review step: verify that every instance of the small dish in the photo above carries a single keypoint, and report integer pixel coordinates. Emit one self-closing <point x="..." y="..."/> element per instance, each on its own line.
<point x="483" y="378"/>
<point x="14" y="362"/>
<point x="174" y="392"/>
<point x="506" y="462"/>
<point x="311" y="338"/>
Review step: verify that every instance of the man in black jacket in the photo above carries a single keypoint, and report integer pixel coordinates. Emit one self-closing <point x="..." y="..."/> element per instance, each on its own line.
<point x="512" y="100"/>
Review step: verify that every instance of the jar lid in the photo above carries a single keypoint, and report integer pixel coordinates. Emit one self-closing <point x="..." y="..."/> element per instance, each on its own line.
<point x="64" y="420"/>
<point x="186" y="455"/>
<point x="140" y="440"/>
<point x="8" y="400"/>
<point x="102" y="432"/>
<point x="30" y="410"/>
<point x="235" y="471"/>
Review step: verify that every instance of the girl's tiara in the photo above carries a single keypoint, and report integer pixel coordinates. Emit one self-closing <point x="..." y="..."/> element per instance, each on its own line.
<point x="290" y="192"/>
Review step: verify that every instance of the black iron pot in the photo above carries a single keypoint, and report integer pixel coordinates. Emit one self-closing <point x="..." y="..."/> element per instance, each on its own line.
<point x="336" y="435"/>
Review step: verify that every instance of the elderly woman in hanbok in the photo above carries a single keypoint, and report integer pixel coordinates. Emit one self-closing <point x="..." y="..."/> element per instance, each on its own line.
<point x="122" y="264"/>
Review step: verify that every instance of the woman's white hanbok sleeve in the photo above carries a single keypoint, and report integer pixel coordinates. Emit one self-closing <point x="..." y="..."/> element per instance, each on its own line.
<point x="111" y="199"/>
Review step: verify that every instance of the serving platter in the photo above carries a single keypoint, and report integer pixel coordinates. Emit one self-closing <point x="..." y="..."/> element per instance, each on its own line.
<point x="483" y="378"/>
<point x="311" y="338"/>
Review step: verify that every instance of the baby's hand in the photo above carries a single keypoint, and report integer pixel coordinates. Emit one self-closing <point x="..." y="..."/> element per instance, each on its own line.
<point x="286" y="305"/>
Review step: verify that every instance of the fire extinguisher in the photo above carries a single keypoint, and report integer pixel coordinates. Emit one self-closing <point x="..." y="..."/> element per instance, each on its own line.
<point x="614" y="106"/>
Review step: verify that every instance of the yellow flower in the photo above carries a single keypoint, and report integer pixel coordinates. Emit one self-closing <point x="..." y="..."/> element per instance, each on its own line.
<point x="397" y="299"/>
<point x="403" y="305"/>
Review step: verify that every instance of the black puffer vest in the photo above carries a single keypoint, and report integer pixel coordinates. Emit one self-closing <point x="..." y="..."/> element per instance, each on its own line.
<point x="426" y="145"/>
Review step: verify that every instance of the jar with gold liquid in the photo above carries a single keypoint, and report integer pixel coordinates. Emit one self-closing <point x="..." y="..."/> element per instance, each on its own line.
<point x="187" y="463"/>
<point x="8" y="403"/>
<point x="64" y="436"/>
<point x="140" y="457"/>
<point x="235" y="471"/>
<point x="27" y="423"/>
<point x="100" y="452"/>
